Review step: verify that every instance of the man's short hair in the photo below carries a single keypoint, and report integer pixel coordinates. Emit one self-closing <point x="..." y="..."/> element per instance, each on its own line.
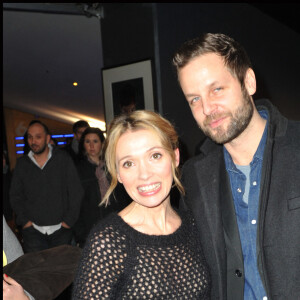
<point x="80" y="124"/>
<point x="234" y="55"/>
<point x="41" y="123"/>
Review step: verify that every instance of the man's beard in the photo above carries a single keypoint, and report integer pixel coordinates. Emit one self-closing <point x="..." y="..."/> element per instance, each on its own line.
<point x="239" y="120"/>
<point x="41" y="150"/>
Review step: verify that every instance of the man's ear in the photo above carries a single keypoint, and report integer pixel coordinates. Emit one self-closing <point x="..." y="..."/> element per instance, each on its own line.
<point x="250" y="82"/>
<point x="48" y="138"/>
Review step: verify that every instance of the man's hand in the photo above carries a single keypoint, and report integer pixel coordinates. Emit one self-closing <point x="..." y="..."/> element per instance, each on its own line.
<point x="63" y="224"/>
<point x="12" y="290"/>
<point x="28" y="224"/>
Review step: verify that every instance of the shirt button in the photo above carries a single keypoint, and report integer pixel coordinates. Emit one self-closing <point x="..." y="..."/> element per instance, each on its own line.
<point x="265" y="298"/>
<point x="238" y="273"/>
<point x="255" y="183"/>
<point x="239" y="190"/>
<point x="253" y="222"/>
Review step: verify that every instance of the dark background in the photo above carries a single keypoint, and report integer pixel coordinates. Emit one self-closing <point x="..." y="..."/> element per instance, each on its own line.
<point x="156" y="31"/>
<point x="131" y="32"/>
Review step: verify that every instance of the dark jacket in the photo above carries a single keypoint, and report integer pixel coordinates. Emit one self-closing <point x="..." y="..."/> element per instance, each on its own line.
<point x="46" y="196"/>
<point x="75" y="156"/>
<point x="209" y="196"/>
<point x="90" y="211"/>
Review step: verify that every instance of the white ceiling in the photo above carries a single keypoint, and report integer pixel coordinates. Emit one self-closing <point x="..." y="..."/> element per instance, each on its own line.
<point x="43" y="54"/>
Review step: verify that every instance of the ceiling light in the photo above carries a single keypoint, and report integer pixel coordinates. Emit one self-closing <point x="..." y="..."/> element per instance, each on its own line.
<point x="96" y="123"/>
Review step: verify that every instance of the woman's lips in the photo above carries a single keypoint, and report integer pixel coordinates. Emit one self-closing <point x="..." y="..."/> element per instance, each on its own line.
<point x="149" y="189"/>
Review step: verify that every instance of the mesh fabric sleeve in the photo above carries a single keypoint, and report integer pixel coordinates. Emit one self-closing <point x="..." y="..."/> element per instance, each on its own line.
<point x="101" y="265"/>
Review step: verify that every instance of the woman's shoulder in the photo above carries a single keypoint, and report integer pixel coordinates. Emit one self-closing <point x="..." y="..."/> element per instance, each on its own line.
<point x="106" y="238"/>
<point x="111" y="220"/>
<point x="107" y="228"/>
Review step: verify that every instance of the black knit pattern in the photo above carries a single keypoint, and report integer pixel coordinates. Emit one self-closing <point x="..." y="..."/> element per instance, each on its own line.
<point x="119" y="262"/>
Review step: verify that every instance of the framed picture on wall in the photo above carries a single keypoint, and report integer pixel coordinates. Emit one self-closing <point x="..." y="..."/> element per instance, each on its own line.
<point x="127" y="88"/>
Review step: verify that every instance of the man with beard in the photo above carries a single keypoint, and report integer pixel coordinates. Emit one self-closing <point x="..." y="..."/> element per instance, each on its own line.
<point x="243" y="187"/>
<point x="45" y="192"/>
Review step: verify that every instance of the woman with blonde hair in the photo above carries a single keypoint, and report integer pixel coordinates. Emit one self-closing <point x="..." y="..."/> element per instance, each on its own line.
<point x="149" y="250"/>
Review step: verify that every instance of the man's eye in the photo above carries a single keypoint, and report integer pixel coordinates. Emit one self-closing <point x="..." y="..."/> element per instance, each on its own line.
<point x="156" y="155"/>
<point x="195" y="99"/>
<point x="217" y="89"/>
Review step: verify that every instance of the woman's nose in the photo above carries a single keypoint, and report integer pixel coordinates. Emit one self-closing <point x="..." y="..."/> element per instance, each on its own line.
<point x="144" y="171"/>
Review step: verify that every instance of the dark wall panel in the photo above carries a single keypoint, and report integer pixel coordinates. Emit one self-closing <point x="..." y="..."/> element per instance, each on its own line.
<point x="136" y="31"/>
<point x="128" y="36"/>
<point x="127" y="33"/>
<point x="273" y="49"/>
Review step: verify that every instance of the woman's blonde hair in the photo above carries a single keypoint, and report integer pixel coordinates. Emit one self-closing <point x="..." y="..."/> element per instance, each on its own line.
<point x="139" y="120"/>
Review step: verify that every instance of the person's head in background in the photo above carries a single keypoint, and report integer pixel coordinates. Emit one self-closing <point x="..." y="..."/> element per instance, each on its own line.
<point x="38" y="137"/>
<point x="90" y="144"/>
<point x="127" y="99"/>
<point x="217" y="79"/>
<point x="78" y="128"/>
<point x="139" y="145"/>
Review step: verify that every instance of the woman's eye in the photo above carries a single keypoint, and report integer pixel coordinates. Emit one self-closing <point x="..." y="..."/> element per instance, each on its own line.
<point x="127" y="164"/>
<point x="218" y="89"/>
<point x="156" y="155"/>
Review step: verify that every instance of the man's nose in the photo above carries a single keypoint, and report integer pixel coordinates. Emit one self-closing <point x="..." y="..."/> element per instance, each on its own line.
<point x="208" y="106"/>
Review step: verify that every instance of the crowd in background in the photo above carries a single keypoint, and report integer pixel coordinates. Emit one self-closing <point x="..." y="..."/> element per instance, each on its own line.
<point x="63" y="186"/>
<point x="85" y="150"/>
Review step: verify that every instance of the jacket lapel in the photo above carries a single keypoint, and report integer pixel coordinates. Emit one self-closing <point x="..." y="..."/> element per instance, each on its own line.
<point x="214" y="202"/>
<point x="230" y="226"/>
<point x="208" y="210"/>
<point x="216" y="183"/>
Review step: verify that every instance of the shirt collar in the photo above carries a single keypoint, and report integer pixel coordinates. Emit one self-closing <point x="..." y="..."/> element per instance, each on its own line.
<point x="260" y="149"/>
<point x="230" y="166"/>
<point x="31" y="156"/>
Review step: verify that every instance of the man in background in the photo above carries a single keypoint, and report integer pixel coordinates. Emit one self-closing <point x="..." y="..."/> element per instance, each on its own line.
<point x="243" y="188"/>
<point x="45" y="192"/>
<point x="72" y="148"/>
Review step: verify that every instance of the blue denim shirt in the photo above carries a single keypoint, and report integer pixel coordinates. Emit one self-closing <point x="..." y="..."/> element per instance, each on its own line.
<point x="247" y="215"/>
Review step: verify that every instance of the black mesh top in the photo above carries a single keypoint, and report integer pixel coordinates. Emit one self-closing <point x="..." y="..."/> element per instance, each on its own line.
<point x="119" y="262"/>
